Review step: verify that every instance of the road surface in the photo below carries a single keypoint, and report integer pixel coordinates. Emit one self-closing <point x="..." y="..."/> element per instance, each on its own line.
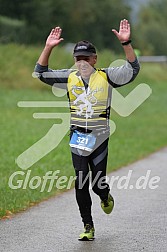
<point x="138" y="222"/>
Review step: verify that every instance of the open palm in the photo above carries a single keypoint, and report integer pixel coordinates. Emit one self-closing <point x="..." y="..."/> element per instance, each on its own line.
<point x="124" y="31"/>
<point x="54" y="37"/>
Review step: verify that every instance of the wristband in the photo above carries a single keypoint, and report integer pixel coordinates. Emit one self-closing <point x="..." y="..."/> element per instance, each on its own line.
<point x="127" y="42"/>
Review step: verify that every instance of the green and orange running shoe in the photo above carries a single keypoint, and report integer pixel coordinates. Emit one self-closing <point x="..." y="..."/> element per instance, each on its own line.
<point x="108" y="204"/>
<point x="88" y="234"/>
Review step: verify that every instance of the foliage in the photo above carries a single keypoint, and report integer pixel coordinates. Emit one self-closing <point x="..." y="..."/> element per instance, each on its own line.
<point x="91" y="20"/>
<point x="30" y="22"/>
<point x="151" y="37"/>
<point x="11" y="30"/>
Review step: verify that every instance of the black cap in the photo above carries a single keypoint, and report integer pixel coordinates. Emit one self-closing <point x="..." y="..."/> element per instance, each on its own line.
<point x="84" y="48"/>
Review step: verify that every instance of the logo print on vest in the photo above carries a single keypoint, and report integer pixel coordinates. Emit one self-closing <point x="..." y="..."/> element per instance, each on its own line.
<point x="85" y="100"/>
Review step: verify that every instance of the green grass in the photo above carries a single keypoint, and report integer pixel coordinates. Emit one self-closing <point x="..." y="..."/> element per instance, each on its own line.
<point x="136" y="136"/>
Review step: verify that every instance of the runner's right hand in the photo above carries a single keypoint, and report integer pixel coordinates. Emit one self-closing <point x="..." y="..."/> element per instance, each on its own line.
<point x="54" y="37"/>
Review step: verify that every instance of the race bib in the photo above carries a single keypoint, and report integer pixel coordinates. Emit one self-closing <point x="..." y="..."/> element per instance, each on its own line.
<point x="83" y="141"/>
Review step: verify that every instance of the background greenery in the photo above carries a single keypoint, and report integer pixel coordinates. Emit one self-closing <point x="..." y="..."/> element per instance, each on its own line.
<point x="31" y="21"/>
<point x="143" y="132"/>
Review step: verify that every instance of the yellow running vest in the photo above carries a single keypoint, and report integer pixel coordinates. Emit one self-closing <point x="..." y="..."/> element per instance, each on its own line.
<point x="90" y="108"/>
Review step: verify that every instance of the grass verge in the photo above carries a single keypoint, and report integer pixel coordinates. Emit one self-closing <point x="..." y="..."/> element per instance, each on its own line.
<point x="136" y="136"/>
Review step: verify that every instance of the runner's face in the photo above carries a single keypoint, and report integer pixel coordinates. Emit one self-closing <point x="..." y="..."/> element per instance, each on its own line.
<point x="85" y="64"/>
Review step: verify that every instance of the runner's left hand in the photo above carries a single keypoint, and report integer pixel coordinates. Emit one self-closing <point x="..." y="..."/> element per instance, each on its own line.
<point x="124" y="31"/>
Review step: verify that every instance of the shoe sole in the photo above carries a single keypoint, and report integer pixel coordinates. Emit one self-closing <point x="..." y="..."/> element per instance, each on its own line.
<point x="85" y="238"/>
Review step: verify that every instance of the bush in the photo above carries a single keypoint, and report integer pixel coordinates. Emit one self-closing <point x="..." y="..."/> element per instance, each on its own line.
<point x="11" y="30"/>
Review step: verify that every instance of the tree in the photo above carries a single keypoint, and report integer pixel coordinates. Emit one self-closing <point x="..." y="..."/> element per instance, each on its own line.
<point x="91" y="20"/>
<point x="152" y="24"/>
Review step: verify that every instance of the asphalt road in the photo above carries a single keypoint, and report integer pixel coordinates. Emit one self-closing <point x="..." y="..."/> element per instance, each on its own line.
<point x="138" y="222"/>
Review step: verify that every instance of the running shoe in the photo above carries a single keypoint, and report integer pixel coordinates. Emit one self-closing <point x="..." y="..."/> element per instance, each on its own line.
<point x="88" y="234"/>
<point x="107" y="204"/>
